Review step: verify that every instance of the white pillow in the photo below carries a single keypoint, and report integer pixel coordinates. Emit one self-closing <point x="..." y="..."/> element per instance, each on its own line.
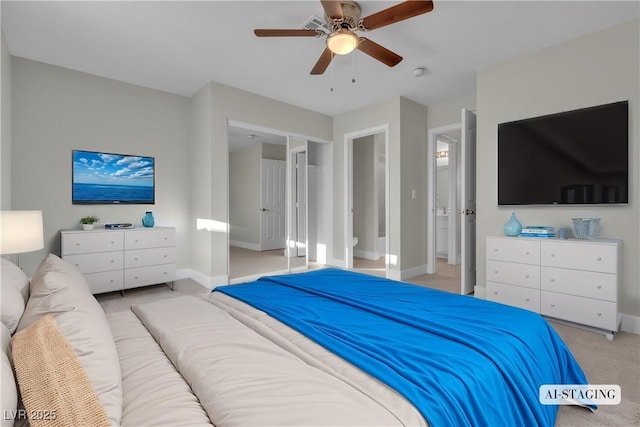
<point x="14" y="294"/>
<point x="58" y="288"/>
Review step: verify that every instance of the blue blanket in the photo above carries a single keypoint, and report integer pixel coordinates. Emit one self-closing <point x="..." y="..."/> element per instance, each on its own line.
<point x="460" y="360"/>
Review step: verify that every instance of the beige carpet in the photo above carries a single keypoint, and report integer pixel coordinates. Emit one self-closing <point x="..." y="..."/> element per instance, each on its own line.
<point x="603" y="361"/>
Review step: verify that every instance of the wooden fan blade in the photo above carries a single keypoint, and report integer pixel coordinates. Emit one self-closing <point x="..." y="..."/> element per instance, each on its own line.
<point x="400" y="12"/>
<point x="286" y="33"/>
<point x="378" y="52"/>
<point x="323" y="62"/>
<point x="332" y="8"/>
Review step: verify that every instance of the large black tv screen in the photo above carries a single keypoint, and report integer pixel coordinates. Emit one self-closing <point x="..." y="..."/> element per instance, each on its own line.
<point x="573" y="157"/>
<point x="107" y="178"/>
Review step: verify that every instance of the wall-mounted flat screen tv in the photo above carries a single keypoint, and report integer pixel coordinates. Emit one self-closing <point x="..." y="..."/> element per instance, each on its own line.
<point x="573" y="157"/>
<point x="107" y="178"/>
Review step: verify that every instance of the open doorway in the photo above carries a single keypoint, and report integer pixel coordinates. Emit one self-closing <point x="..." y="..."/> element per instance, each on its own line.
<point x="367" y="201"/>
<point x="461" y="215"/>
<point x="444" y="199"/>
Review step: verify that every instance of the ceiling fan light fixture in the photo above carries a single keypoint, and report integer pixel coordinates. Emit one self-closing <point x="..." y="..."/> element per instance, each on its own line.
<point x="342" y="42"/>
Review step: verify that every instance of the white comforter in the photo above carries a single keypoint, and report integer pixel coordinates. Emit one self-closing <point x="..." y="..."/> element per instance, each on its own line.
<point x="248" y="369"/>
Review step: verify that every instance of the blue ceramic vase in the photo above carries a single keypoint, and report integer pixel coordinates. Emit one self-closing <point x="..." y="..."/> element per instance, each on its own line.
<point x="147" y="219"/>
<point x="513" y="227"/>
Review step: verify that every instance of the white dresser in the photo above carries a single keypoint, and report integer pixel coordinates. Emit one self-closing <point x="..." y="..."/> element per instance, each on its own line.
<point x="114" y="260"/>
<point x="571" y="280"/>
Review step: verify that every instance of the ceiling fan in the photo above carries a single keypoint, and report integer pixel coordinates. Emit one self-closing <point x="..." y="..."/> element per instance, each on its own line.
<point x="343" y="20"/>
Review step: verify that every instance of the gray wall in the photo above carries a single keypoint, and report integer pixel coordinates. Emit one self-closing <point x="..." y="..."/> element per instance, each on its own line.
<point x="595" y="69"/>
<point x="5" y="137"/>
<point x="244" y="195"/>
<point x="56" y="110"/>
<point x="365" y="212"/>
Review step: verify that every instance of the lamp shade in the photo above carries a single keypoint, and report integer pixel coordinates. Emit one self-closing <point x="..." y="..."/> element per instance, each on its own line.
<point x="21" y="231"/>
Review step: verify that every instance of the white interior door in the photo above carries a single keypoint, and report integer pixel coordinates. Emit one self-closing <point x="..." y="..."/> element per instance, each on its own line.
<point x="301" y="204"/>
<point x="272" y="210"/>
<point x="468" y="202"/>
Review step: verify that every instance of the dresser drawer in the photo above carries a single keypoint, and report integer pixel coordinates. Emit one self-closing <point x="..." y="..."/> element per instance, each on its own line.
<point x="587" y="311"/>
<point x="92" y="241"/>
<point x="96" y="262"/>
<point x="517" y="296"/>
<point x="581" y="256"/>
<point x="143" y="276"/>
<point x="149" y="238"/>
<point x="512" y="273"/>
<point x="513" y="249"/>
<point x="145" y="257"/>
<point x="588" y="284"/>
<point x="107" y="281"/>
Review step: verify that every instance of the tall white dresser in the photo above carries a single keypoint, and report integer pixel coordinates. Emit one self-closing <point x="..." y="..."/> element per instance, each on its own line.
<point x="572" y="280"/>
<point x="115" y="260"/>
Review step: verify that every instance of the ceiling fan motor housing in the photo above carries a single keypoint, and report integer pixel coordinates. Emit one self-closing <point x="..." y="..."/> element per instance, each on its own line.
<point x="351" y="15"/>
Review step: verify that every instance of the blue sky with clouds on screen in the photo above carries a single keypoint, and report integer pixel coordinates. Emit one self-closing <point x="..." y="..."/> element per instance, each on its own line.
<point x="114" y="169"/>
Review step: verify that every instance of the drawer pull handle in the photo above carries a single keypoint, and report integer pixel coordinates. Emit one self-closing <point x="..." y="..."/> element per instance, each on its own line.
<point x="526" y="253"/>
<point x="526" y="276"/>
<point x="77" y="244"/>
<point x="136" y="277"/>
<point x="599" y="258"/>
<point x="553" y="280"/>
<point x="112" y="261"/>
<point x="136" y="258"/>
<point x="553" y="305"/>
<point x="165" y="256"/>
<point x="527" y="299"/>
<point x="495" y="292"/>
<point x="495" y="250"/>
<point x="599" y="314"/>
<point x="599" y="286"/>
<point x="553" y="255"/>
<point x="77" y="265"/>
<point x="495" y="271"/>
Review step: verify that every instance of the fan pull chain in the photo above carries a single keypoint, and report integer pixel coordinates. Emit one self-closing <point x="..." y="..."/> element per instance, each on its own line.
<point x="353" y="66"/>
<point x="331" y="65"/>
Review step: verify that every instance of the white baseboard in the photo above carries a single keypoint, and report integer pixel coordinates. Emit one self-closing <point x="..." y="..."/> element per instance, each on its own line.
<point x="394" y="274"/>
<point x="360" y="253"/>
<point x="412" y="272"/>
<point x="245" y="245"/>
<point x="209" y="282"/>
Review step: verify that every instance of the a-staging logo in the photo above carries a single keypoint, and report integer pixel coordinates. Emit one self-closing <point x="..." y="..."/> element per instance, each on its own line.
<point x="580" y="394"/>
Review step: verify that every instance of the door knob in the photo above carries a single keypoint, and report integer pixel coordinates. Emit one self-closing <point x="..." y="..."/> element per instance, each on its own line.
<point x="467" y="212"/>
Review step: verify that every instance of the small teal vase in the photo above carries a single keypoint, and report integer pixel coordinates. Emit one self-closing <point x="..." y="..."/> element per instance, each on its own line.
<point x="147" y="219"/>
<point x="513" y="227"/>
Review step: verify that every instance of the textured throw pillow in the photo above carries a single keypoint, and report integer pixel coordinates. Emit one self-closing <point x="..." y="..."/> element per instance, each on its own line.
<point x="9" y="391"/>
<point x="14" y="294"/>
<point x="58" y="288"/>
<point x="54" y="387"/>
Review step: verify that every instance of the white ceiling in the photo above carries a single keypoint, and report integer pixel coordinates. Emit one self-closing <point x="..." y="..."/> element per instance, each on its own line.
<point x="178" y="46"/>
